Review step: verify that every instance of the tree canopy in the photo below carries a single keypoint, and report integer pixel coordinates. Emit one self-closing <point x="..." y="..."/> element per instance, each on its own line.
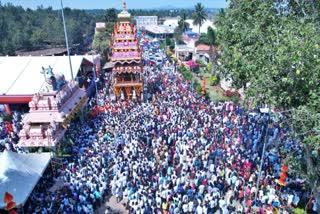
<point x="271" y="48"/>
<point x="25" y="29"/>
<point x="267" y="44"/>
<point x="199" y="15"/>
<point x="111" y="15"/>
<point x="102" y="37"/>
<point x="182" y="23"/>
<point x="209" y="38"/>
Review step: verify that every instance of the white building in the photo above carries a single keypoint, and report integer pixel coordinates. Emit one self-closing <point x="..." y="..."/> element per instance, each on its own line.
<point x="144" y="21"/>
<point x="159" y="31"/>
<point x="203" y="28"/>
<point x="100" y="26"/>
<point x="173" y="22"/>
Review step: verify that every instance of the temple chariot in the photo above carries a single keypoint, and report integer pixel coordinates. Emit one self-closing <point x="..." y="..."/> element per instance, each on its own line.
<point x="126" y="56"/>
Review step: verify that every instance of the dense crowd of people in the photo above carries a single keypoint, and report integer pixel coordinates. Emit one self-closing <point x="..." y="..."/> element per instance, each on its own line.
<point x="181" y="154"/>
<point x="174" y="152"/>
<point x="9" y="129"/>
<point x="84" y="174"/>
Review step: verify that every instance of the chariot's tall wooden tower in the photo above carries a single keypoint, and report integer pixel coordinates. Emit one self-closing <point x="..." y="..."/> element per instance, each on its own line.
<point x="127" y="71"/>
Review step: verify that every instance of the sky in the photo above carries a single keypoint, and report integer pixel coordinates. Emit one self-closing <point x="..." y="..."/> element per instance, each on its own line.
<point x="103" y="4"/>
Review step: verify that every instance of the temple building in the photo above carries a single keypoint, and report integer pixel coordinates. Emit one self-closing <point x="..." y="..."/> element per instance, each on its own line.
<point x="20" y="79"/>
<point x="51" y="110"/>
<point x="127" y="70"/>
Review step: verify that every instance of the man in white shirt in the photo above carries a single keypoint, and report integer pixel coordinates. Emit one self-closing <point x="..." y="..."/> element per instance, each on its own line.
<point x="199" y="209"/>
<point x="185" y="207"/>
<point x="190" y="205"/>
<point x="213" y="204"/>
<point x="158" y="201"/>
<point x="289" y="198"/>
<point x="222" y="203"/>
<point x="225" y="210"/>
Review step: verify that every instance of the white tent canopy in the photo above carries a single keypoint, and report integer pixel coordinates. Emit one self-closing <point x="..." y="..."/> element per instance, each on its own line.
<point x="19" y="173"/>
<point x="20" y="75"/>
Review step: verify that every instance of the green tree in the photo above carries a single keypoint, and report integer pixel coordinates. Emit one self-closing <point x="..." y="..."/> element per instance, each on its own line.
<point x="212" y="39"/>
<point x="182" y="26"/>
<point x="182" y="23"/>
<point x="168" y="41"/>
<point x="209" y="66"/>
<point x="209" y="38"/>
<point x="101" y="43"/>
<point x="203" y="39"/>
<point x="38" y="37"/>
<point x="271" y="49"/>
<point x="41" y="28"/>
<point x="306" y="164"/>
<point x="177" y="35"/>
<point x="199" y="15"/>
<point x="111" y="15"/>
<point x="213" y="80"/>
<point x="102" y="38"/>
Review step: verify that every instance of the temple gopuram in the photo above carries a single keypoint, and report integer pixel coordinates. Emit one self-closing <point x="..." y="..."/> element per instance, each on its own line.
<point x="127" y="70"/>
<point x="51" y="110"/>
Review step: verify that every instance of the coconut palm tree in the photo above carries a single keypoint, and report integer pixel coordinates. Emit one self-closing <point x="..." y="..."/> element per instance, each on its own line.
<point x="212" y="42"/>
<point x="199" y="15"/>
<point x="183" y="25"/>
<point x="210" y="39"/>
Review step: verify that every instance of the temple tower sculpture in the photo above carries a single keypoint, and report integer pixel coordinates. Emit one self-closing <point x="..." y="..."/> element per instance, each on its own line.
<point x="51" y="111"/>
<point x="127" y="70"/>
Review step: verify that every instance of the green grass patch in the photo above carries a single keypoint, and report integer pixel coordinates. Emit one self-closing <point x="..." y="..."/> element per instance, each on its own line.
<point x="211" y="92"/>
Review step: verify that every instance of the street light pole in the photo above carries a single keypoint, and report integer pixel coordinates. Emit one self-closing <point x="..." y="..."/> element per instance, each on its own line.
<point x="192" y="72"/>
<point x="262" y="157"/>
<point x="92" y="53"/>
<point x="95" y="79"/>
<point x="66" y="38"/>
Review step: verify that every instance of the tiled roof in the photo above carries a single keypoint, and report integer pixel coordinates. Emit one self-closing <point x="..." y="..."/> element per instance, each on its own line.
<point x="203" y="47"/>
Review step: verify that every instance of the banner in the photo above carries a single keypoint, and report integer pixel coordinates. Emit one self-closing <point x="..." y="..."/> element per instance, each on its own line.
<point x="74" y="111"/>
